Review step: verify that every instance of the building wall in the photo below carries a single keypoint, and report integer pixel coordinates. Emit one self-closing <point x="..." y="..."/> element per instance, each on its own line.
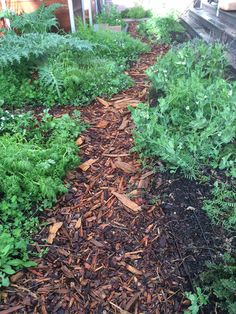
<point x="28" y="6"/>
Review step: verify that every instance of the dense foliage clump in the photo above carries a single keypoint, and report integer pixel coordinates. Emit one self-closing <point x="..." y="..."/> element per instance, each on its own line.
<point x="118" y="46"/>
<point x="41" y="68"/>
<point x="36" y="152"/>
<point x="162" y="29"/>
<point x="191" y="127"/>
<point x="110" y="15"/>
<point x="137" y="12"/>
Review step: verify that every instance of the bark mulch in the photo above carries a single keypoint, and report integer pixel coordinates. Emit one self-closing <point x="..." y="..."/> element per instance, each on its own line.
<point x="123" y="239"/>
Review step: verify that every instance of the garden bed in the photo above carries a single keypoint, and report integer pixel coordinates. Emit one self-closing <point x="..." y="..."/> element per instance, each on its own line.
<point x="124" y="238"/>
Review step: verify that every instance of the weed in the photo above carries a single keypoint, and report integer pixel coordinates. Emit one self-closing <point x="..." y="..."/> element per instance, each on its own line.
<point x="197" y="299"/>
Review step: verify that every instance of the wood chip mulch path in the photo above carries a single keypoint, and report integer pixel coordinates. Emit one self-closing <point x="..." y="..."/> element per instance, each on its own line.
<point x="103" y="238"/>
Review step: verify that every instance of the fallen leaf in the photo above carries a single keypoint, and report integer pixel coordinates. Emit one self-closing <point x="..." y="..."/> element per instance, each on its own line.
<point x="53" y="231"/>
<point x="102" y="124"/>
<point x="78" y="223"/>
<point x="87" y="164"/>
<point x="127" y="168"/>
<point x="103" y="102"/>
<point x="127" y="202"/>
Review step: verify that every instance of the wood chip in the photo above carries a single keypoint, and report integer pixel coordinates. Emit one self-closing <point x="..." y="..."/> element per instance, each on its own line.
<point x="78" y="223"/>
<point x="87" y="164"/>
<point x="53" y="231"/>
<point x="124" y="124"/>
<point x="14" y="278"/>
<point x="80" y="141"/>
<point x="127" y="202"/>
<point x="11" y="309"/>
<point x="68" y="273"/>
<point x="127" y="168"/>
<point x="131" y="268"/>
<point x="102" y="124"/>
<point x="97" y="243"/>
<point x="103" y="102"/>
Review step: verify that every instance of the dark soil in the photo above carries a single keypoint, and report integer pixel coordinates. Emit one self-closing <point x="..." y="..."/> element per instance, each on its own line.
<point x="110" y="256"/>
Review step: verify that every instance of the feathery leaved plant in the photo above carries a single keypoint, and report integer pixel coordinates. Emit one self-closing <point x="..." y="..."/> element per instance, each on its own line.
<point x="41" y="20"/>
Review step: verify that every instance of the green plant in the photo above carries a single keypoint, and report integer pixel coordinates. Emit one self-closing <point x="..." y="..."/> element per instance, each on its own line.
<point x="206" y="61"/>
<point x="190" y="128"/>
<point x="161" y="29"/>
<point x="221" y="208"/>
<point x="36" y="152"/>
<point x="220" y="282"/>
<point x="197" y="299"/>
<point x="40" y="21"/>
<point x="110" y="15"/>
<point x="34" y="46"/>
<point x="118" y="46"/>
<point x="136" y="12"/>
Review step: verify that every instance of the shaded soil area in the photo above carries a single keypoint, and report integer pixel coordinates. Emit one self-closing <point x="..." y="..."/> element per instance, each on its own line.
<point x="128" y="240"/>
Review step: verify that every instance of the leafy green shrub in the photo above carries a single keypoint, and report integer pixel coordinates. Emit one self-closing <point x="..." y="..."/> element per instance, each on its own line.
<point x="118" y="46"/>
<point x="221" y="208"/>
<point x="137" y="12"/>
<point x="35" y="155"/>
<point x="220" y="282"/>
<point x="110" y="15"/>
<point x="191" y="127"/>
<point x="161" y="29"/>
<point x="205" y="60"/>
<point x="40" y="21"/>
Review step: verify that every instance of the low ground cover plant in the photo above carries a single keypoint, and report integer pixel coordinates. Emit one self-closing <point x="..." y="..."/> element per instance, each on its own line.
<point x="162" y="29"/>
<point x="69" y="78"/>
<point x="137" y="12"/>
<point x="36" y="152"/>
